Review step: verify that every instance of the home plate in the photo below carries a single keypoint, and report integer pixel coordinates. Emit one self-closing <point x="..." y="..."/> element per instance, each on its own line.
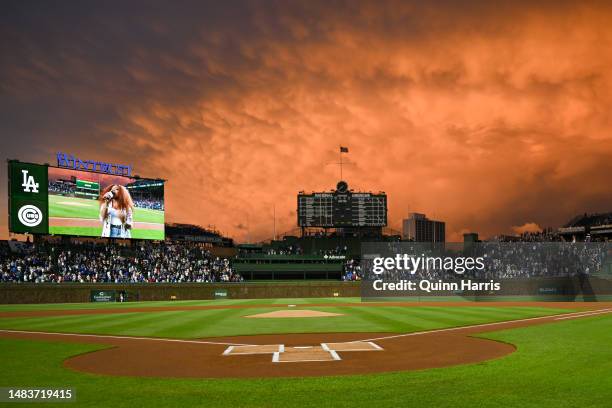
<point x="296" y="354"/>
<point x="304" y="354"/>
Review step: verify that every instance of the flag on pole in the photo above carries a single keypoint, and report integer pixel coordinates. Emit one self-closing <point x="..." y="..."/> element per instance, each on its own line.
<point x="343" y="149"/>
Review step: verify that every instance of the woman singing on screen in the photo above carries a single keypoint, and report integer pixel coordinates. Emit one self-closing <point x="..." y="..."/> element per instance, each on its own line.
<point x="116" y="209"/>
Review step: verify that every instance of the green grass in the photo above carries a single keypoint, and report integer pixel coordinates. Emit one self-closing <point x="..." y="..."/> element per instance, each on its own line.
<point x="79" y="231"/>
<point x="220" y="302"/>
<point x="563" y="364"/>
<point x="79" y="208"/>
<point x="90" y="209"/>
<point x="137" y="233"/>
<point x="227" y="322"/>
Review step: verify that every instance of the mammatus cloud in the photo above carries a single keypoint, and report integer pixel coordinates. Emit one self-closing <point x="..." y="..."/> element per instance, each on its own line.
<point x="480" y="116"/>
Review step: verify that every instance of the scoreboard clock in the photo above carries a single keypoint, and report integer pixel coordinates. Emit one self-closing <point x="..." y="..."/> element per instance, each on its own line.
<point x="342" y="208"/>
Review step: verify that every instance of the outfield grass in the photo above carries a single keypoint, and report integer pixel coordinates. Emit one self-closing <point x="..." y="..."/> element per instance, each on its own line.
<point x="564" y="364"/>
<point x="212" y="302"/>
<point x="230" y="322"/>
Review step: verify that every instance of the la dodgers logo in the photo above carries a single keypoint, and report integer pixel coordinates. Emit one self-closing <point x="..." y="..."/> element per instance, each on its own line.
<point x="29" y="184"/>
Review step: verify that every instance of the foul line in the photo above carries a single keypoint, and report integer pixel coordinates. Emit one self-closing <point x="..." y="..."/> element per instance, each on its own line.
<point x="563" y="316"/>
<point x="585" y="314"/>
<point x="104" y="336"/>
<point x="334" y="355"/>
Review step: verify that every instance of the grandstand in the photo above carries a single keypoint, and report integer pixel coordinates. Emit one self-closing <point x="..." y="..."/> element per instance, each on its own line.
<point x="597" y="227"/>
<point x="147" y="193"/>
<point x="63" y="187"/>
<point x="288" y="267"/>
<point x="331" y="227"/>
<point x="100" y="262"/>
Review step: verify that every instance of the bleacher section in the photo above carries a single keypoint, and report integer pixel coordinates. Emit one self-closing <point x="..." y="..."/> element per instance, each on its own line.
<point x="592" y="226"/>
<point x="281" y="267"/>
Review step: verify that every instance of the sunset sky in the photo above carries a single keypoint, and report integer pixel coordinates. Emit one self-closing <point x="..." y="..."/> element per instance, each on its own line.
<point x="492" y="118"/>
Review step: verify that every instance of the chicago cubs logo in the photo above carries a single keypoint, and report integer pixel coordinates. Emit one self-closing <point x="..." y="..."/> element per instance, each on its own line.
<point x="30" y="215"/>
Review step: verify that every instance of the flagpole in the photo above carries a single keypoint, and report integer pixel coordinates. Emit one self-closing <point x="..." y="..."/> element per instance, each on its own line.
<point x="341" y="163"/>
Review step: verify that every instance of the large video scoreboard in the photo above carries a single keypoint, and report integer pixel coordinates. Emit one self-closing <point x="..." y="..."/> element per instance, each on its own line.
<point x="45" y="200"/>
<point x="342" y="208"/>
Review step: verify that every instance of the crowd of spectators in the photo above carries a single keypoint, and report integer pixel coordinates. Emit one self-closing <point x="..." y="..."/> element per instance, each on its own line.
<point x="541" y="259"/>
<point x="149" y="204"/>
<point x="337" y="251"/>
<point x="351" y="270"/>
<point x="91" y="263"/>
<point x="546" y="235"/>
<point x="534" y="255"/>
<point x="585" y="219"/>
<point x="295" y="249"/>
<point x="285" y="250"/>
<point x="503" y="260"/>
<point x="59" y="187"/>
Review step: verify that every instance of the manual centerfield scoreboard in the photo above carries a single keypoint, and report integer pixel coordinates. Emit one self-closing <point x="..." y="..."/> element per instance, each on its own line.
<point x="342" y="208"/>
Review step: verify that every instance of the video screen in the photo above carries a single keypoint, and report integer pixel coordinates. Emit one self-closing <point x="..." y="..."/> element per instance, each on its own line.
<point x="103" y="205"/>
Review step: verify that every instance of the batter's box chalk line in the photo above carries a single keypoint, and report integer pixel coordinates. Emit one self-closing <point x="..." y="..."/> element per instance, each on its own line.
<point x="254" y="349"/>
<point x="298" y="354"/>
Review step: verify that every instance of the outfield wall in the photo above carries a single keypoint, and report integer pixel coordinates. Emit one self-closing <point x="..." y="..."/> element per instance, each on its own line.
<point x="560" y="289"/>
<point x="78" y="292"/>
<point x="587" y="288"/>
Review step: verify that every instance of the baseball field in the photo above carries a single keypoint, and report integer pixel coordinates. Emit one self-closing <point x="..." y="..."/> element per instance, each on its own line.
<point x="80" y="217"/>
<point x="313" y="352"/>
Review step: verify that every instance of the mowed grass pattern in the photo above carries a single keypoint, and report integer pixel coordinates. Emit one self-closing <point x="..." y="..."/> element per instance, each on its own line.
<point x="137" y="233"/>
<point x="216" y="302"/>
<point x="73" y="207"/>
<point x="231" y="322"/>
<point x="562" y="364"/>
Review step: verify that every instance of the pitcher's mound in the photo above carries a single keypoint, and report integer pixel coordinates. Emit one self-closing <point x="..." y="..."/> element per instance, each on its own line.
<point x="293" y="313"/>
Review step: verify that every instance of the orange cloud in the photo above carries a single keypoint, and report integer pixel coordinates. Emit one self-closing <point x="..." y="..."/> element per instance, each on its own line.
<point x="480" y="116"/>
<point x="527" y="227"/>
